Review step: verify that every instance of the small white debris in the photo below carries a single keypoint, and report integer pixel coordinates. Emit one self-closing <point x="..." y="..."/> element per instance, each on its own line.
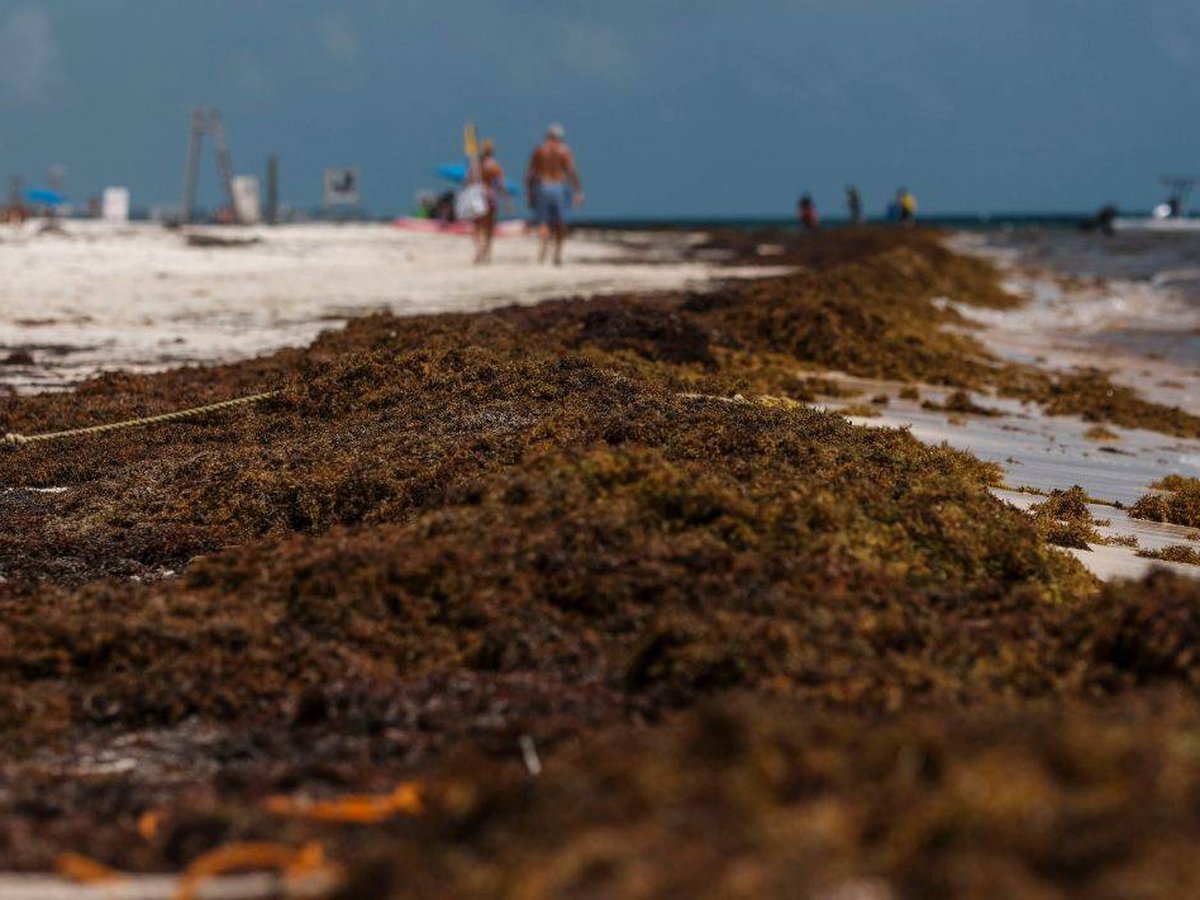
<point x="529" y="753"/>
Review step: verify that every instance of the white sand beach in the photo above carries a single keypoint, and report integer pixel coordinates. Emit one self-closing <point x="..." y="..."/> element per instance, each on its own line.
<point x="140" y="298"/>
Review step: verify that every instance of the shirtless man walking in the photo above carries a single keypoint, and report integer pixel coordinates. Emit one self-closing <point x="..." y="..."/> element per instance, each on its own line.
<point x="553" y="185"/>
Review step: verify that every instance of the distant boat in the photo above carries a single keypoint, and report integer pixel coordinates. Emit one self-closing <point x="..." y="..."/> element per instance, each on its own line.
<point x="1154" y="223"/>
<point x="1169" y="216"/>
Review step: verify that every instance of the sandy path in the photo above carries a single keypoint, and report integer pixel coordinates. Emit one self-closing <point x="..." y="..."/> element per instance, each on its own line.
<point x="140" y="298"/>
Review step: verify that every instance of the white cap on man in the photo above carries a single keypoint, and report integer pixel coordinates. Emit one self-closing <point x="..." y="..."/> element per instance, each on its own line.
<point x="556" y="131"/>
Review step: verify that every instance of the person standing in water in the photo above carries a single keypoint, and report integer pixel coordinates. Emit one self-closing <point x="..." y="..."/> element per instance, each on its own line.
<point x="807" y="211"/>
<point x="854" y="205"/>
<point x="906" y="204"/>
<point x="490" y="174"/>
<point x="553" y="186"/>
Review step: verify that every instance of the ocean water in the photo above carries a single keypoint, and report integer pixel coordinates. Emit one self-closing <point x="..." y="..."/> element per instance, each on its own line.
<point x="1139" y="291"/>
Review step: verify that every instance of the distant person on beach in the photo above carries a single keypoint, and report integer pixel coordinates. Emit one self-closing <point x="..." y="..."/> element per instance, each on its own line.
<point x="1103" y="221"/>
<point x="807" y="211"/>
<point x="490" y="174"/>
<point x="443" y="208"/>
<point x="553" y="186"/>
<point x="854" y="205"/>
<point x="906" y="206"/>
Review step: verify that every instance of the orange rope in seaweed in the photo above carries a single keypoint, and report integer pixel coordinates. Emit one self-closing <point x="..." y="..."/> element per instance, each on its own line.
<point x="252" y="856"/>
<point x="148" y="824"/>
<point x="85" y="870"/>
<point x="360" y="808"/>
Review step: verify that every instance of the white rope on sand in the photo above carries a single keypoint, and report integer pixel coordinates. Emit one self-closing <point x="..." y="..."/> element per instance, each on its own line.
<point x="255" y="886"/>
<point x="20" y="439"/>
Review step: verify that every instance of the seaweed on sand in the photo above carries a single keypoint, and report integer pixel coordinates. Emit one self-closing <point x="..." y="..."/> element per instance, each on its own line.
<point x="661" y="542"/>
<point x="1091" y="394"/>
<point x="1179" y="505"/>
<point x="1064" y="518"/>
<point x="746" y="798"/>
<point x="451" y="537"/>
<point x="1100" y="433"/>
<point x="960" y="401"/>
<point x="1177" y="553"/>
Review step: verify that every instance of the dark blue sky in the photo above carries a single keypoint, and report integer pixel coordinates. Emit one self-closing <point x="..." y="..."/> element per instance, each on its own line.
<point x="673" y="106"/>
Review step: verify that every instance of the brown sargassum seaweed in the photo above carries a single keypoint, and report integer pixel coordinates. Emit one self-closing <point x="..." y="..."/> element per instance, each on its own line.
<point x="758" y="649"/>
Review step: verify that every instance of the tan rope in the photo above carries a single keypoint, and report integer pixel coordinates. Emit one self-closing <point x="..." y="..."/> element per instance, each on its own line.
<point x="18" y="439"/>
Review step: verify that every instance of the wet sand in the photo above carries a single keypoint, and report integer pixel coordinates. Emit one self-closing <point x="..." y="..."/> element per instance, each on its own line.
<point x="1046" y="453"/>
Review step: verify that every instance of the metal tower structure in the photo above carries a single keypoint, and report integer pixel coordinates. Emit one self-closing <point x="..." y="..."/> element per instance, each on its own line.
<point x="206" y="122"/>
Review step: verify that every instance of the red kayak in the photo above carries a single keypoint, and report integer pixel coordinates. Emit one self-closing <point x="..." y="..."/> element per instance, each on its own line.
<point x="436" y="226"/>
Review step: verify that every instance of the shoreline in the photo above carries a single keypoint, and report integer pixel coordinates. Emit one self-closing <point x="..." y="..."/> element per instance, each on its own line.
<point x="1047" y="452"/>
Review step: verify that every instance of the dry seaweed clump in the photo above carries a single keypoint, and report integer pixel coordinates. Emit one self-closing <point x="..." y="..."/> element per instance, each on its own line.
<point x="760" y="796"/>
<point x="1100" y="433"/>
<point x="876" y="315"/>
<point x="751" y="648"/>
<point x="661" y="548"/>
<point x="1179" y="506"/>
<point x="960" y="402"/>
<point x="1091" y="394"/>
<point x="1177" y="553"/>
<point x="1138" y="634"/>
<point x="1064" y="519"/>
<point x="860" y="410"/>
<point x="1176" y="483"/>
<point x="746" y="798"/>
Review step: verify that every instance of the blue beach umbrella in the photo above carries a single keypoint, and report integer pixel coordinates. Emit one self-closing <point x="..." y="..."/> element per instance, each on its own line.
<point x="455" y="173"/>
<point x="48" y="198"/>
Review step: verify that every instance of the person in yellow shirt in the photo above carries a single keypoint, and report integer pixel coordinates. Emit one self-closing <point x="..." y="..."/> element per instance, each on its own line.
<point x="907" y="205"/>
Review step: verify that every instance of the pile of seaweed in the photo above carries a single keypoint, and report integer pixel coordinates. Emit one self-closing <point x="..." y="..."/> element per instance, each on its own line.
<point x="465" y="549"/>
<point x="1175" y="499"/>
